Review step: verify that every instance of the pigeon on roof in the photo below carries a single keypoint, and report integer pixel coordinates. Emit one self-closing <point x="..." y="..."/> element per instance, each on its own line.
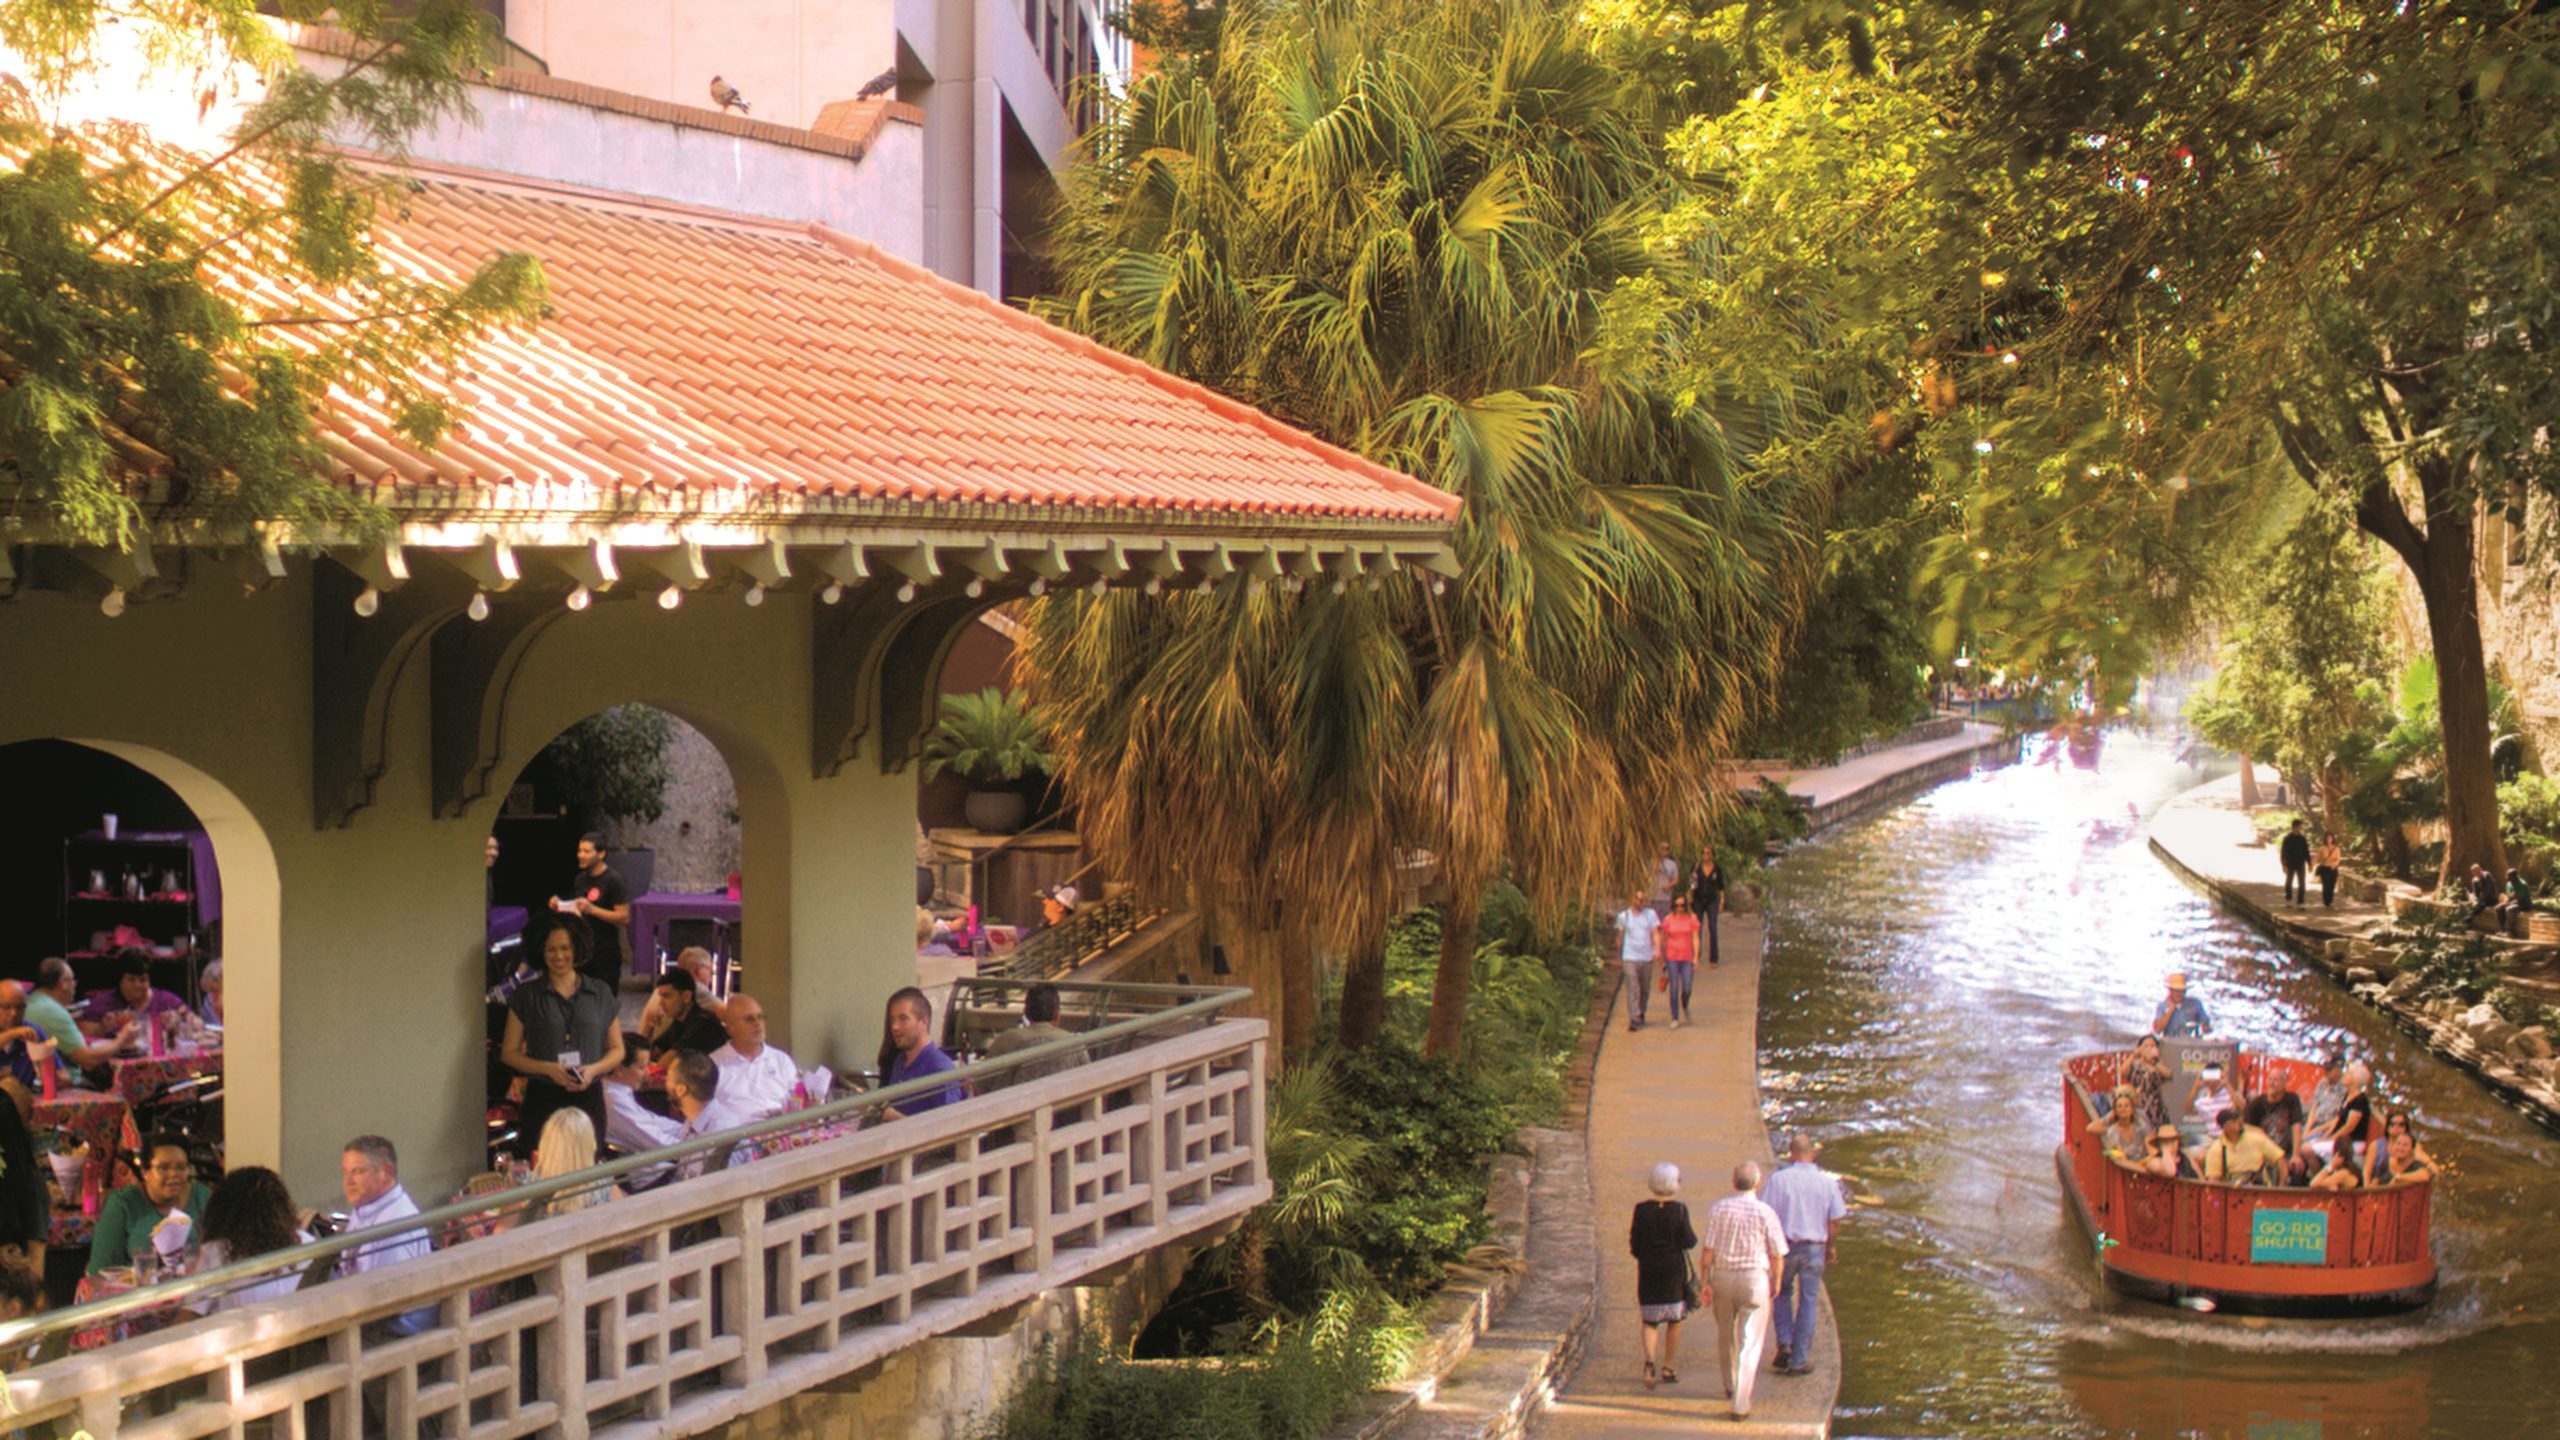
<point x="726" y="96"/>
<point x="880" y="84"/>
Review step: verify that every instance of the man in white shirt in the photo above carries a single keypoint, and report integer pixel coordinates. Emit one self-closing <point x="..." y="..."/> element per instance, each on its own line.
<point x="1745" y="1245"/>
<point x="369" y="1169"/>
<point x="629" y="1125"/>
<point x="1809" y="1209"/>
<point x="756" y="1079"/>
<point x="1637" y="925"/>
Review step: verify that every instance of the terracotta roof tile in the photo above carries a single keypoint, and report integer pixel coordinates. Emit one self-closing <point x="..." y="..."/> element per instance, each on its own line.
<point x="706" y="352"/>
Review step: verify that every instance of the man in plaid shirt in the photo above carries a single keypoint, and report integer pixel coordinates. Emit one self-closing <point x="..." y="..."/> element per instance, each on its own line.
<point x="1745" y="1245"/>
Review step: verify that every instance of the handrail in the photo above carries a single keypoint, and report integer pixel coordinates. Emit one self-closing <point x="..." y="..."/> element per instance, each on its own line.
<point x="1202" y="1004"/>
<point x="1103" y="921"/>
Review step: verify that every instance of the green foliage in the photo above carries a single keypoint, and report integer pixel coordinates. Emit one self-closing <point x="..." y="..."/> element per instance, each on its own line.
<point x="1528" y="994"/>
<point x="137" y="359"/>
<point x="1756" y="820"/>
<point x="1290" y="1386"/>
<point x="1854" y="668"/>
<point x="2529" y="812"/>
<point x="2453" y="961"/>
<point x="611" y="765"/>
<point x="990" y="737"/>
<point x="2398" y="774"/>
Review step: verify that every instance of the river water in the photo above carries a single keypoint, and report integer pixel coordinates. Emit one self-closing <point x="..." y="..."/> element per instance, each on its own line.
<point x="1931" y="968"/>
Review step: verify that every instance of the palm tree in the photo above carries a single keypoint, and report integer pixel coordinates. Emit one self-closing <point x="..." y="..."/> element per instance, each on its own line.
<point x="1418" y="230"/>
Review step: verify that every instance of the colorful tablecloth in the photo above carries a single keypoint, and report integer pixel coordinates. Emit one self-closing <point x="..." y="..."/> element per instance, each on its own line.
<point x="118" y="1280"/>
<point x="97" y="1119"/>
<point x="141" y="1079"/>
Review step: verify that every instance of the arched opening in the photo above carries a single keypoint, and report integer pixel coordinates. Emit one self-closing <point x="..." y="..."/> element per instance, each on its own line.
<point x="120" y="854"/>
<point x="627" y="824"/>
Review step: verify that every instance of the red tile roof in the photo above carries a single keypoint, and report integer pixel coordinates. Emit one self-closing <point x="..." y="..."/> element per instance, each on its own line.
<point x="699" y="353"/>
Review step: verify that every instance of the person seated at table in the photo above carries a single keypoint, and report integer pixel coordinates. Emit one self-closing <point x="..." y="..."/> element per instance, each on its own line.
<point x="758" y="1078"/>
<point x="682" y="1022"/>
<point x="563" y="1031"/>
<point x="23" y="1046"/>
<point x="2336" y="1173"/>
<point x="566" y="1146"/>
<point x="251" y="1214"/>
<point x="698" y="1085"/>
<point x="2166" y="1155"/>
<point x="369" y="1173"/>
<point x="90" y="1060"/>
<point x="26" y="1204"/>
<point x="2148" y="1077"/>
<point x="2242" y="1154"/>
<point x="933" y="936"/>
<point x="698" y="964"/>
<point x="1039" y="1027"/>
<point x="168" y="1185"/>
<point x="2403" y="1159"/>
<point x="209" y="1010"/>
<point x="2120" y="1131"/>
<point x="907" y="1052"/>
<point x="630" y="1125"/>
<point x="2212" y="1097"/>
<point x="133" y="1002"/>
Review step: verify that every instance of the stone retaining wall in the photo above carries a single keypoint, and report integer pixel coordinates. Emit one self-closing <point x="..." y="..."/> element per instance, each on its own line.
<point x="1903" y="784"/>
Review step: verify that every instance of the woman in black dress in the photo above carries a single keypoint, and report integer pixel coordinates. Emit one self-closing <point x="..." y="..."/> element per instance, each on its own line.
<point x="1660" y="1239"/>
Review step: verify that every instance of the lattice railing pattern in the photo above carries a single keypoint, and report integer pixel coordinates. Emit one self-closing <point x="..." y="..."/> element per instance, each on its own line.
<point x="667" y="1313"/>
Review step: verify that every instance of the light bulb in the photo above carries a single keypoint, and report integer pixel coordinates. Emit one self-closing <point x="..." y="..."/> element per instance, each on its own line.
<point x="1153" y="586"/>
<point x="671" y="597"/>
<point x="1100" y="587"/>
<point x="368" y="602"/>
<point x="1207" y="584"/>
<point x="976" y="588"/>
<point x="906" y="591"/>
<point x="113" y="605"/>
<point x="1439" y="586"/>
<point x="478" y="609"/>
<point x="1039" y="586"/>
<point x="580" y="597"/>
<point x="833" y="593"/>
<point x="755" y="594"/>
<point x="1341" y="586"/>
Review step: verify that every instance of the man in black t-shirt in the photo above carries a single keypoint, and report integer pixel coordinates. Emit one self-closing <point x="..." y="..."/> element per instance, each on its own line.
<point x="2295" y="854"/>
<point x="598" y="894"/>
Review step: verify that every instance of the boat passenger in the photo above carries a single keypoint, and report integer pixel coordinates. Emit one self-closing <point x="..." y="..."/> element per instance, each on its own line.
<point x="2181" y="1016"/>
<point x="2148" y="1077"/>
<point x="2338" y="1174"/>
<point x="2242" y="1154"/>
<point x="2280" y="1115"/>
<point x="2212" y="1097"/>
<point x="2395" y="1123"/>
<point x="2166" y="1155"/>
<point x="2121" y="1130"/>
<point x="2402" y="1160"/>
<point x="2354" y="1125"/>
<point x="2330" y="1093"/>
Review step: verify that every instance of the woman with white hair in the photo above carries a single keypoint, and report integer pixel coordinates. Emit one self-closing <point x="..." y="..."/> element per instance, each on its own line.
<point x="1661" y="1238"/>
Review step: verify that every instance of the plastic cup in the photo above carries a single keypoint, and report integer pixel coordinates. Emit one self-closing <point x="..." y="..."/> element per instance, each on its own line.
<point x="108" y="824"/>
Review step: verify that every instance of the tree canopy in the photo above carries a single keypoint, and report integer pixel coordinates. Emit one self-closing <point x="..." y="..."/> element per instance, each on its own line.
<point x="170" y="319"/>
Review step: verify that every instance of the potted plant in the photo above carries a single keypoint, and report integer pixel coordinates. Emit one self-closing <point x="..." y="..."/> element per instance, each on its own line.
<point x="992" y="739"/>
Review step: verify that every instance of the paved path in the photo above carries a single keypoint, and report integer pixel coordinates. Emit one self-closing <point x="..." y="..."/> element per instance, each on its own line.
<point x="1690" y="1096"/>
<point x="1830" y="784"/>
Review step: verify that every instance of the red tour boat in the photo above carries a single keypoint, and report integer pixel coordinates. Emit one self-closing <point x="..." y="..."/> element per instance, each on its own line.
<point x="2248" y="1249"/>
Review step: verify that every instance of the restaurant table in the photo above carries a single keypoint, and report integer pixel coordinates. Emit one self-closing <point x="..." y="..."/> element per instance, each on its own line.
<point x="506" y="921"/>
<point x="141" y="1078"/>
<point x="118" y="1280"/>
<point x="98" y="1119"/>
<point x="650" y="914"/>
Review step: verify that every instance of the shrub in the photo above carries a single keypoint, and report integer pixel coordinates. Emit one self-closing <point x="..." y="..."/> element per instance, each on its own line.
<point x="2529" y="814"/>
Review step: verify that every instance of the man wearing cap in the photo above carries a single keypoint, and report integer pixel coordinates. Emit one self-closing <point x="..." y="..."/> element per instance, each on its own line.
<point x="2181" y="1016"/>
<point x="2242" y="1154"/>
<point x="1809" y="1208"/>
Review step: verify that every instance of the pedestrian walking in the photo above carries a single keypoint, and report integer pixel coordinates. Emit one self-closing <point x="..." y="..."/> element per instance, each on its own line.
<point x="1666" y="879"/>
<point x="2325" y="862"/>
<point x="1666" y="1287"/>
<point x="2295" y="855"/>
<point x="1745" y="1246"/>
<point x="1706" y="897"/>
<point x="1638" y="927"/>
<point x="1809" y="1208"/>
<point x="1679" y="957"/>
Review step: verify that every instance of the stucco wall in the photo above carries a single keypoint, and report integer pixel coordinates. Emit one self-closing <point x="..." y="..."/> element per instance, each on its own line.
<point x="787" y="57"/>
<point x="352" y="965"/>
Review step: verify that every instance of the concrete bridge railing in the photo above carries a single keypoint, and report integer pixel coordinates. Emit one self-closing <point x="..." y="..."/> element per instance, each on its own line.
<point x="674" y="1310"/>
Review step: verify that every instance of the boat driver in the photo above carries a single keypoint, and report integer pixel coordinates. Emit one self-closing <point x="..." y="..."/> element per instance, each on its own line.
<point x="2181" y="1016"/>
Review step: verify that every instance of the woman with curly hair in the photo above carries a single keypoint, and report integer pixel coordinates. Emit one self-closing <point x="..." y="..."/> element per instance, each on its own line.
<point x="248" y="1215"/>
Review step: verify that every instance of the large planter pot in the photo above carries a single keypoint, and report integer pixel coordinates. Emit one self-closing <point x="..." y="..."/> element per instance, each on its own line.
<point x="997" y="812"/>
<point x="925" y="885"/>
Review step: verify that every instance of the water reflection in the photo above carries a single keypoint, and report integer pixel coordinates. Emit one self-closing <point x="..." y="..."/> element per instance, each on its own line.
<point x="1930" y="969"/>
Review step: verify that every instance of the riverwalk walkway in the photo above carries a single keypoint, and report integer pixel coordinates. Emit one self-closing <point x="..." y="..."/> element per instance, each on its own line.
<point x="2208" y="831"/>
<point x="1833" y="793"/>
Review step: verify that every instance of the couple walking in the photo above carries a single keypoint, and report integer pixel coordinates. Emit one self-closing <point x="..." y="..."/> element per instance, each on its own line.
<point x="1765" y="1252"/>
<point x="1665" y="922"/>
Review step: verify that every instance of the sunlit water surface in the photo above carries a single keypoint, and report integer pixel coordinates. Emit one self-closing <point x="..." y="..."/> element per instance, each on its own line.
<point x="1931" y="968"/>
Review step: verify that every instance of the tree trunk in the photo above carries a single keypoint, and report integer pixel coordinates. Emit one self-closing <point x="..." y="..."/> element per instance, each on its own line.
<point x="1297" y="994"/>
<point x="2462" y="697"/>
<point x="1364" y="993"/>
<point x="2249" y="798"/>
<point x="1457" y="971"/>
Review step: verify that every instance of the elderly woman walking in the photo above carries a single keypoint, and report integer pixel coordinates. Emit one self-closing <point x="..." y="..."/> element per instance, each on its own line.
<point x="1660" y="1238"/>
